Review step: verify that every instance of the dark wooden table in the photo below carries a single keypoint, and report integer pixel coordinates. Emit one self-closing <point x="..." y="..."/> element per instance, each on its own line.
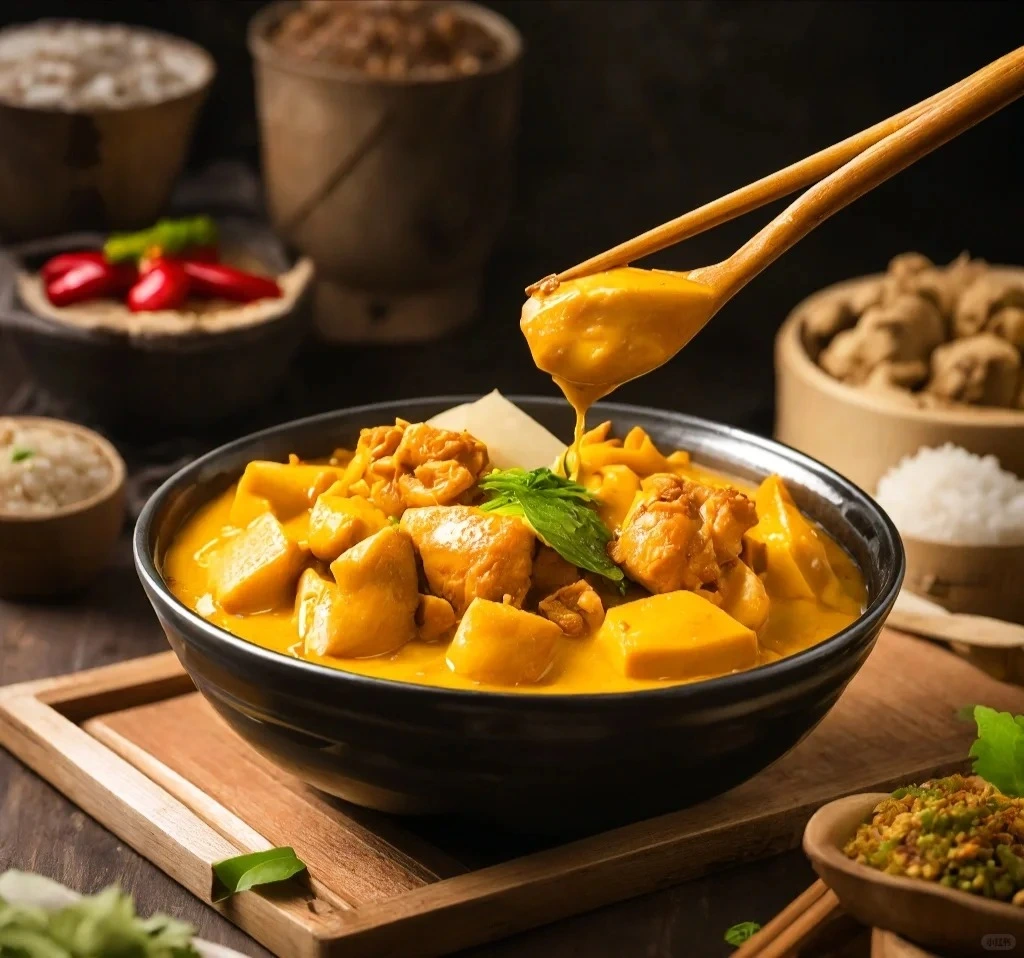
<point x="41" y="831"/>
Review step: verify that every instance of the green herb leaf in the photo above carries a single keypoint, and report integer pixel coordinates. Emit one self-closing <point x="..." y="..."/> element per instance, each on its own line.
<point x="559" y="511"/>
<point x="998" y="752"/>
<point x="20" y="454"/>
<point x="258" y="868"/>
<point x="42" y="919"/>
<point x="742" y="932"/>
<point x="169" y="236"/>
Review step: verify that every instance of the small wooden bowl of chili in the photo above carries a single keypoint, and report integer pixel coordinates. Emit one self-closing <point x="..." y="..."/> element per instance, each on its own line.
<point x="142" y="332"/>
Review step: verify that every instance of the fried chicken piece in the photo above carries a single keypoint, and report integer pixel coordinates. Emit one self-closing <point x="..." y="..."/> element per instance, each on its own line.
<point x="469" y="554"/>
<point x="576" y="609"/>
<point x="435" y="467"/>
<point x="402" y="466"/>
<point x="681" y="534"/>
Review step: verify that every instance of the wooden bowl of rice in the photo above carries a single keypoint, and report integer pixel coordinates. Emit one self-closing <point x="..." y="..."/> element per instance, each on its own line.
<point x="62" y="505"/>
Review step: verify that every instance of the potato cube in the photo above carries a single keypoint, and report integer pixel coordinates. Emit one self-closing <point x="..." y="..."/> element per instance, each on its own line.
<point x="371" y="610"/>
<point x="744" y="596"/>
<point x="256" y="569"/>
<point x="337" y="523"/>
<point x="310" y="593"/>
<point x="498" y="644"/>
<point x="282" y="488"/>
<point x="676" y="635"/>
<point x="797" y="564"/>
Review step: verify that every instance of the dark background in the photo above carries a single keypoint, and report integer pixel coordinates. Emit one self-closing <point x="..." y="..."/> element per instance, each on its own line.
<point x="637" y="110"/>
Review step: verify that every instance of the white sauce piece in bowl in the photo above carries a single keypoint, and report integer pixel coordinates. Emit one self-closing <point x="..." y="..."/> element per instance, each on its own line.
<point x="44" y="468"/>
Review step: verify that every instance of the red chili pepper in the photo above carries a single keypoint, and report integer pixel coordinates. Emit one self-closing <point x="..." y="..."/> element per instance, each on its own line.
<point x="225" y="282"/>
<point x="90" y="280"/>
<point x="162" y="285"/>
<point x="64" y="262"/>
<point x="200" y="254"/>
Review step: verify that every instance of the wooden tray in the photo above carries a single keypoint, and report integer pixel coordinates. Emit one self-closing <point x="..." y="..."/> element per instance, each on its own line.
<point x="137" y="748"/>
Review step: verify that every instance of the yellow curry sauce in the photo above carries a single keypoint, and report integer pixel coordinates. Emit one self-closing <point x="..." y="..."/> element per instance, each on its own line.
<point x="597" y="332"/>
<point x="265" y="558"/>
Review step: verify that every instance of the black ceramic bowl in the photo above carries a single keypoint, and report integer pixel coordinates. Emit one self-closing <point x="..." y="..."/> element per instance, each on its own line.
<point x="535" y="761"/>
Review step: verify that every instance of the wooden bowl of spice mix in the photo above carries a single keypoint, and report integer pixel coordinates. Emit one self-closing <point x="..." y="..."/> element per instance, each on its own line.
<point x="388" y="133"/>
<point x="62" y="505"/>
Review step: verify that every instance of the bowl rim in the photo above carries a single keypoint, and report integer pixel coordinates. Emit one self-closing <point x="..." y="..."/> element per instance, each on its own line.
<point x="817" y="848"/>
<point x="790" y="345"/>
<point x="110" y="490"/>
<point x="870" y="620"/>
<point x="208" y="69"/>
<point x="510" y="41"/>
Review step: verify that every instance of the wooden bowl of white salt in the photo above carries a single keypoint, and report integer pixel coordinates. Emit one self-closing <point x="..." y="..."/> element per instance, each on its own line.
<point x="961" y="518"/>
<point x="62" y="505"/>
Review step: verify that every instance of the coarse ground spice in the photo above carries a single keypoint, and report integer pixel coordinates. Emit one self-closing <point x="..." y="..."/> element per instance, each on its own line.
<point x="960" y="832"/>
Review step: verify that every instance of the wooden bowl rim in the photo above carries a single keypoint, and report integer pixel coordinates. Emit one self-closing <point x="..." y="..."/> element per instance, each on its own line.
<point x="119" y="472"/>
<point x="792" y="353"/>
<point x="818" y="848"/>
<point x="1006" y="549"/>
<point x="510" y="42"/>
<point x="208" y="70"/>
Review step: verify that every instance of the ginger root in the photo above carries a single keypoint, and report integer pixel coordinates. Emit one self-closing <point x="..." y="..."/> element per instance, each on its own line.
<point x="905" y="329"/>
<point x="982" y="369"/>
<point x="986" y="296"/>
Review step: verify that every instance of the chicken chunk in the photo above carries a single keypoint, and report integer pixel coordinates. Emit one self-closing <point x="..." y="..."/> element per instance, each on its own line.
<point x="469" y="554"/>
<point x="576" y="609"/>
<point x="417" y="465"/>
<point x="681" y="534"/>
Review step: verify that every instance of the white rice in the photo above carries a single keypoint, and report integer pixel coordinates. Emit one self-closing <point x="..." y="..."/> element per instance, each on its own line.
<point x="950" y="495"/>
<point x="44" y="468"/>
<point x="76" y="65"/>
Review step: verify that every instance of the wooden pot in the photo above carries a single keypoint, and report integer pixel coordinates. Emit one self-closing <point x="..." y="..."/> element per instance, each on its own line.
<point x="396" y="188"/>
<point x="861" y="434"/>
<point x="100" y="169"/>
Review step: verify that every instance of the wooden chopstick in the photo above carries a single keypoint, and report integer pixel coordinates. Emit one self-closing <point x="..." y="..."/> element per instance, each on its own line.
<point x="794" y="924"/>
<point x="763" y="191"/>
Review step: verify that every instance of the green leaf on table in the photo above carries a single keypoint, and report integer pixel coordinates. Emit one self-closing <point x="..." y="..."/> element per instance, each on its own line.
<point x="258" y="868"/>
<point x="998" y="752"/>
<point x="560" y="511"/>
<point x="742" y="932"/>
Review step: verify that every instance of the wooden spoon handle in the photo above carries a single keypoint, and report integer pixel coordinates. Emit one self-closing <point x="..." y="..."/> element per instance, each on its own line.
<point x="977" y="98"/>
<point x="766" y="190"/>
<point x="974" y="630"/>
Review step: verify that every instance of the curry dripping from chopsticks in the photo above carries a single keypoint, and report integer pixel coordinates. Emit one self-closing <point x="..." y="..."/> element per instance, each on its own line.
<point x="593" y="331"/>
<point x="159" y="268"/>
